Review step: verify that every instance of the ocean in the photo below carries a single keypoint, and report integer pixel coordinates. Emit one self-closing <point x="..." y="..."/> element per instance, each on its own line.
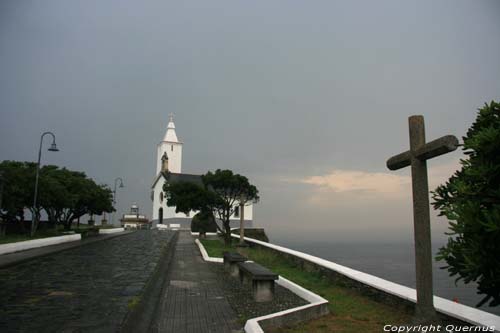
<point x="394" y="262"/>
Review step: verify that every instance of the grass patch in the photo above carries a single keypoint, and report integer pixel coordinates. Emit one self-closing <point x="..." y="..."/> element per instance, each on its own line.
<point x="216" y="247"/>
<point x="58" y="231"/>
<point x="14" y="238"/>
<point x="350" y="310"/>
<point x="133" y="302"/>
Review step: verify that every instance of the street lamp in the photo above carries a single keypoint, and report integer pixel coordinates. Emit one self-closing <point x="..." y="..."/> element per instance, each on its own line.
<point x="53" y="147"/>
<point x="2" y="226"/>
<point x="114" y="196"/>
<point x="242" y="201"/>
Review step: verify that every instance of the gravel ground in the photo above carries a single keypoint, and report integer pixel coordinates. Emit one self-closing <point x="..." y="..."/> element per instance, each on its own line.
<point x="241" y="300"/>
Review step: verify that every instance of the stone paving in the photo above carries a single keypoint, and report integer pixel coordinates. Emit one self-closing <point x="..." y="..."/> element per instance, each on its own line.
<point x="193" y="300"/>
<point x="86" y="289"/>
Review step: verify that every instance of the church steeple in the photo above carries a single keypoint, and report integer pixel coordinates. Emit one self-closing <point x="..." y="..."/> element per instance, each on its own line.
<point x="171" y="136"/>
<point x="169" y="148"/>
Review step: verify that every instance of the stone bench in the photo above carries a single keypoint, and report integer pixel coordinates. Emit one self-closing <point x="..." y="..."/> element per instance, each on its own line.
<point x="231" y="260"/>
<point x="261" y="279"/>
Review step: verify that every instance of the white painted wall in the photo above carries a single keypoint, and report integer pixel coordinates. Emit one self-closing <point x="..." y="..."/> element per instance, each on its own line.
<point x="168" y="212"/>
<point x="174" y="153"/>
<point x="248" y="214"/>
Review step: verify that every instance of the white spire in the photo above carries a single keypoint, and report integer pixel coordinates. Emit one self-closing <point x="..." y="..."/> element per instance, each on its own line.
<point x="170" y="136"/>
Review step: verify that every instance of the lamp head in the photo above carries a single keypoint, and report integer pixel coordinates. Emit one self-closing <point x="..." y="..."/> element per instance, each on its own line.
<point x="121" y="184"/>
<point x="53" y="147"/>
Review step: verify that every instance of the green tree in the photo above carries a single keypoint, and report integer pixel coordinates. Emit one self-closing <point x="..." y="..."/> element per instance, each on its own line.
<point x="82" y="196"/>
<point x="219" y="194"/>
<point x="17" y="190"/>
<point x="203" y="222"/>
<point x="470" y="199"/>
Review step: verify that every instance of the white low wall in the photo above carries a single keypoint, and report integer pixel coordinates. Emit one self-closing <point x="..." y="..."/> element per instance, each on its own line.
<point x="207" y="233"/>
<point x="31" y="244"/>
<point x="111" y="231"/>
<point x="252" y="325"/>
<point x="455" y="310"/>
<point x="205" y="255"/>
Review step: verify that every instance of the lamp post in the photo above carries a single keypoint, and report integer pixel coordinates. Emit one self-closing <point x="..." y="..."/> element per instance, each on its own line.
<point x="53" y="147"/>
<point x="242" y="201"/>
<point x="114" y="197"/>
<point x="2" y="226"/>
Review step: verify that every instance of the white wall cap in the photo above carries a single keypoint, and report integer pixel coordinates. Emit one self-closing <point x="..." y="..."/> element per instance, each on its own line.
<point x="456" y="310"/>
<point x="205" y="255"/>
<point x="111" y="231"/>
<point x="34" y="243"/>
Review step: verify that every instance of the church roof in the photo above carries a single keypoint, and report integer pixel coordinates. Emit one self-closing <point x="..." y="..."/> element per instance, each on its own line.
<point x="182" y="177"/>
<point x="178" y="177"/>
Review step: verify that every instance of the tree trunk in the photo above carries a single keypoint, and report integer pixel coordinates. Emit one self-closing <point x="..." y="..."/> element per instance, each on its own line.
<point x="227" y="234"/>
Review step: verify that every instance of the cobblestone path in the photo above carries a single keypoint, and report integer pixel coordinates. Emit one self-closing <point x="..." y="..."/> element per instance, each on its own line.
<point x="193" y="300"/>
<point x="86" y="289"/>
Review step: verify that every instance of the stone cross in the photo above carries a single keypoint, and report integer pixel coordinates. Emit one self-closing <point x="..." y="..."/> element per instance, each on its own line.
<point x="417" y="157"/>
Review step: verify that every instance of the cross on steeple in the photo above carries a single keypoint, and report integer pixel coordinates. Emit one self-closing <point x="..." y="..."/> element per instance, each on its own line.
<point x="171" y="117"/>
<point x="417" y="157"/>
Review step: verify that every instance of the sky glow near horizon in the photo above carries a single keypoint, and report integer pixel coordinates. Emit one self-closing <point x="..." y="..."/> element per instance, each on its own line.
<point x="308" y="100"/>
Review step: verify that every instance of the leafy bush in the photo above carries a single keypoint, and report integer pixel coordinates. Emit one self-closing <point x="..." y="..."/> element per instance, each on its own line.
<point x="203" y="222"/>
<point x="470" y="199"/>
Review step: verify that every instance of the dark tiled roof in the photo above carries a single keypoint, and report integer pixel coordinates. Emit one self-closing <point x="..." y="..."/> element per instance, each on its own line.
<point x="182" y="177"/>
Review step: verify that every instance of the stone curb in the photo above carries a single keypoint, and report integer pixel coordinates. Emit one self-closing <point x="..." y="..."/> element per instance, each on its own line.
<point x="318" y="305"/>
<point x="142" y="317"/>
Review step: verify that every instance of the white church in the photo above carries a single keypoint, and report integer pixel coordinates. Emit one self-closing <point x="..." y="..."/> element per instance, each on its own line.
<point x="169" y="169"/>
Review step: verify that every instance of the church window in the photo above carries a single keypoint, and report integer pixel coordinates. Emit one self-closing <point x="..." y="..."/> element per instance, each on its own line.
<point x="171" y="147"/>
<point x="161" y="196"/>
<point x="237" y="211"/>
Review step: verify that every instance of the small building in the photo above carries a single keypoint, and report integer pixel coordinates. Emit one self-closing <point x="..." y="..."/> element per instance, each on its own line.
<point x="168" y="170"/>
<point x="134" y="220"/>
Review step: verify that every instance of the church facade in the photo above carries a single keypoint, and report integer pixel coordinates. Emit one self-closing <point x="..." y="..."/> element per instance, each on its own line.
<point x="169" y="169"/>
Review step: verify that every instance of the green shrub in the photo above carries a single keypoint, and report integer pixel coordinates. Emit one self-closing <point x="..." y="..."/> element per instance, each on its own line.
<point x="203" y="222"/>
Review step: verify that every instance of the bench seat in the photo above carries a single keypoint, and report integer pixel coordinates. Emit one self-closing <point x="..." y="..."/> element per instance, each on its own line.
<point x="231" y="260"/>
<point x="261" y="279"/>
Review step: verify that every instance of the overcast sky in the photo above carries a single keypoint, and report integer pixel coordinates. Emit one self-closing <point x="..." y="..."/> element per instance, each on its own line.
<point x="307" y="99"/>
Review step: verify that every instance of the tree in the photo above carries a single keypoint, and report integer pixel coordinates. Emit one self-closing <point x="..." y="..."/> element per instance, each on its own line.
<point x="65" y="195"/>
<point x="219" y="194"/>
<point x="470" y="199"/>
<point x="82" y="196"/>
<point x="203" y="222"/>
<point x="17" y="190"/>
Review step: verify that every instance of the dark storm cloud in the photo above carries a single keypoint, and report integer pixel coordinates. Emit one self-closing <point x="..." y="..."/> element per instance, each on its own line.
<point x="270" y="89"/>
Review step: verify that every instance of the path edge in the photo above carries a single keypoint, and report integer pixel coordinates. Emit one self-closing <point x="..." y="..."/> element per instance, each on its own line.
<point x="142" y="317"/>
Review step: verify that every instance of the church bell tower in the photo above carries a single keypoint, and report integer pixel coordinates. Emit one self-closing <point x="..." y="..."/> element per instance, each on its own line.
<point x="171" y="148"/>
